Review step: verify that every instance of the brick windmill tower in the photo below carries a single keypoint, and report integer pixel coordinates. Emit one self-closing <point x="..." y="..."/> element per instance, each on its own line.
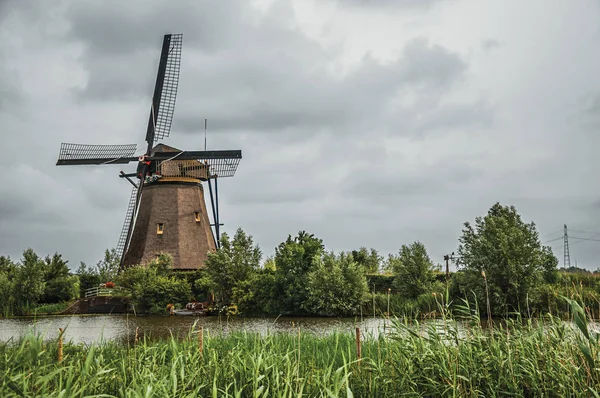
<point x="167" y="212"/>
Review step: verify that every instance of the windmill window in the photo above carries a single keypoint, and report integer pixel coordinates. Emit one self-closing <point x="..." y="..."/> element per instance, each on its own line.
<point x="160" y="228"/>
<point x="197" y="216"/>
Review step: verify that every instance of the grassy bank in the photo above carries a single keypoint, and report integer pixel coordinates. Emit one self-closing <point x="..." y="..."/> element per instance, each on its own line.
<point x="552" y="358"/>
<point x="50" y="309"/>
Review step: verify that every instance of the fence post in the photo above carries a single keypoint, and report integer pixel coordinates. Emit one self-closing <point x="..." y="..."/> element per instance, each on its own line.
<point x="60" y="344"/>
<point x="358" y="347"/>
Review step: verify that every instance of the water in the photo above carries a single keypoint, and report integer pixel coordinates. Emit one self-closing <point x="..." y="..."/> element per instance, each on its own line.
<point x="121" y="328"/>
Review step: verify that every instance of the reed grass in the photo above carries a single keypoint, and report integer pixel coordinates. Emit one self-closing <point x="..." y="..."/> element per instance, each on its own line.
<point x="454" y="357"/>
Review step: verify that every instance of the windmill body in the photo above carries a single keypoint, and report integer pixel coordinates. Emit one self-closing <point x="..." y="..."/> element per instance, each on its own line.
<point x="167" y="211"/>
<point x="172" y="216"/>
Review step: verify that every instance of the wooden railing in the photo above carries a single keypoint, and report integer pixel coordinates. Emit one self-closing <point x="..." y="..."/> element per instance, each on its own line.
<point x="105" y="291"/>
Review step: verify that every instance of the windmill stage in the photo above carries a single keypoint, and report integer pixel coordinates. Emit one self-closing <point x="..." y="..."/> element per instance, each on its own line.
<point x="167" y="211"/>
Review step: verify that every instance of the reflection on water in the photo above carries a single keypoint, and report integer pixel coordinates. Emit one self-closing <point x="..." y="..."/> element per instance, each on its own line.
<point x="88" y="329"/>
<point x="93" y="328"/>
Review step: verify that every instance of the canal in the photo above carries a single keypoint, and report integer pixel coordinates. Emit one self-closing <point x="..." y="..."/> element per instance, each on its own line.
<point x="94" y="328"/>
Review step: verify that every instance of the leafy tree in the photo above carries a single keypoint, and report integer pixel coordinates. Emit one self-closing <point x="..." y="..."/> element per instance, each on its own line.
<point x="29" y="281"/>
<point x="6" y="295"/>
<point x="88" y="278"/>
<point x="7" y="266"/>
<point x="61" y="289"/>
<point x="575" y="270"/>
<point x="108" y="267"/>
<point x="508" y="252"/>
<point x="270" y="264"/>
<point x="7" y="275"/>
<point x="56" y="267"/>
<point x="549" y="265"/>
<point x="155" y="291"/>
<point x="370" y="260"/>
<point x="155" y="285"/>
<point x="236" y="261"/>
<point x="59" y="285"/>
<point x="256" y="295"/>
<point x="413" y="270"/>
<point x="294" y="259"/>
<point x="337" y="286"/>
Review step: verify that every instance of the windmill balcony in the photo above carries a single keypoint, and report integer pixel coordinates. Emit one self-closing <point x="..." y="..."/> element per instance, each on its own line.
<point x="183" y="168"/>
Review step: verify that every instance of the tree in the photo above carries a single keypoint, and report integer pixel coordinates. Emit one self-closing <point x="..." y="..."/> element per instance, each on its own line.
<point x="237" y="260"/>
<point x="413" y="270"/>
<point x="7" y="275"/>
<point x="337" y="286"/>
<point x="370" y="260"/>
<point x="508" y="252"/>
<point x="29" y="281"/>
<point x="6" y="296"/>
<point x="59" y="286"/>
<point x="108" y="267"/>
<point x="56" y="267"/>
<point x="294" y="259"/>
<point x="154" y="286"/>
<point x="7" y="266"/>
<point x="256" y="295"/>
<point x="88" y="278"/>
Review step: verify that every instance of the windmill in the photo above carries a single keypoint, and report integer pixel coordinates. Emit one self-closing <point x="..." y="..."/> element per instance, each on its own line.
<point x="167" y="211"/>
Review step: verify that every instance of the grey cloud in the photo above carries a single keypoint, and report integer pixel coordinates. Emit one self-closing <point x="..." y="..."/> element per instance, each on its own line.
<point x="263" y="197"/>
<point x="586" y="114"/>
<point x="281" y="81"/>
<point x="400" y="183"/>
<point x="11" y="93"/>
<point x="391" y="3"/>
<point x="121" y="54"/>
<point x="108" y="28"/>
<point x="282" y="95"/>
<point x="593" y="109"/>
<point x="490" y="44"/>
<point x="479" y="114"/>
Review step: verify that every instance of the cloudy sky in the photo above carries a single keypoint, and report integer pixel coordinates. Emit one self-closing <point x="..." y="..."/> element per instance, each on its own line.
<point x="368" y="123"/>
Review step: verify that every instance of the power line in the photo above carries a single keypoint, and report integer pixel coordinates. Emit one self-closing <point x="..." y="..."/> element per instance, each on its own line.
<point x="584" y="232"/>
<point x="554" y="233"/>
<point x="594" y="240"/>
<point x="553" y="240"/>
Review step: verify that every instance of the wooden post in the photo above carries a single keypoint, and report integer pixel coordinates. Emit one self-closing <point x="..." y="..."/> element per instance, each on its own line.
<point x="358" y="348"/>
<point x="60" y="344"/>
<point x="200" y="341"/>
<point x="373" y="300"/>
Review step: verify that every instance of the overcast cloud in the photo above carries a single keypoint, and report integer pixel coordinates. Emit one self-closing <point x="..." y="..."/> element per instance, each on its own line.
<point x="368" y="123"/>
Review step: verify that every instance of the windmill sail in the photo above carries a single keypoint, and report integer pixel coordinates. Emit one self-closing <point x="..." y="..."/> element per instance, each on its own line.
<point x="165" y="90"/>
<point x="75" y="154"/>
<point x="123" y="241"/>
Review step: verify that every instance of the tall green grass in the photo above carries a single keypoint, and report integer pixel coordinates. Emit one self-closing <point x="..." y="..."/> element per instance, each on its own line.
<point x="454" y="357"/>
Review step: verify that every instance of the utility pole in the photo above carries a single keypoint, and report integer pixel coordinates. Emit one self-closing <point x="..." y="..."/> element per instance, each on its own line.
<point x="567" y="258"/>
<point x="447" y="258"/>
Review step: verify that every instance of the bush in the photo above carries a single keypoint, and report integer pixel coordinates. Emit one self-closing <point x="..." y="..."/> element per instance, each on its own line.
<point x="381" y="282"/>
<point x="154" y="286"/>
<point x="61" y="289"/>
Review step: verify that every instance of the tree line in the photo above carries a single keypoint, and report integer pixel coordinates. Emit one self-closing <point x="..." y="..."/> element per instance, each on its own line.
<point x="502" y="268"/>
